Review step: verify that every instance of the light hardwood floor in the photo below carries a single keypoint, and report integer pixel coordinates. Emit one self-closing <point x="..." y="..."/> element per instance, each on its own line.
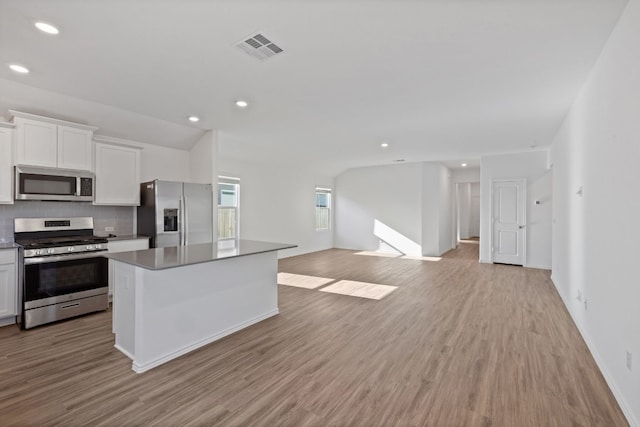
<point x="457" y="344"/>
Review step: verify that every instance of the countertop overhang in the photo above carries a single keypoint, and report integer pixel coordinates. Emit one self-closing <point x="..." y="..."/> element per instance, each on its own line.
<point x="112" y="238"/>
<point x="179" y="256"/>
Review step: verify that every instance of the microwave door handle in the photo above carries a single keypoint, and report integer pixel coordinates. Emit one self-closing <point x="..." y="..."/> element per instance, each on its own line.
<point x="78" y="185"/>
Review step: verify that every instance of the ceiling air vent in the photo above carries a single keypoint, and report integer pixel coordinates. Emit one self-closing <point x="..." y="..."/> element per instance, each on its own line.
<point x="259" y="47"/>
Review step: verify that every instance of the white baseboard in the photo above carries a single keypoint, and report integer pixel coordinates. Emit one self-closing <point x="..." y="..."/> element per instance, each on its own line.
<point x="6" y="321"/>
<point x="140" y="368"/>
<point x="539" y="267"/>
<point x="626" y="410"/>
<point x="123" y="351"/>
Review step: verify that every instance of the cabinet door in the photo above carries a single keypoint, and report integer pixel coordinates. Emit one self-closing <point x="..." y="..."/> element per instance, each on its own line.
<point x="6" y="165"/>
<point x="7" y="290"/>
<point x="36" y="143"/>
<point x="75" y="148"/>
<point x="117" y="175"/>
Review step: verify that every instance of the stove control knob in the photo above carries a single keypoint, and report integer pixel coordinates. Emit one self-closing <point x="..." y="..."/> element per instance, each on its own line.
<point x="71" y="249"/>
<point x="39" y="251"/>
<point x="89" y="247"/>
<point x="98" y="246"/>
<point x="51" y="251"/>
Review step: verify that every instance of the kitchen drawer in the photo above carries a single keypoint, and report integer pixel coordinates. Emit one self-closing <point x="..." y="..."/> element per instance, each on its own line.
<point x="7" y="256"/>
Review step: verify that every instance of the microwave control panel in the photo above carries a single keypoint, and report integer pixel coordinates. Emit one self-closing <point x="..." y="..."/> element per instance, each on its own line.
<point x="86" y="186"/>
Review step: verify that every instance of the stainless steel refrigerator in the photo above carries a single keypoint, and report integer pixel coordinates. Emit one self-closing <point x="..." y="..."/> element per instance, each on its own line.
<point x="175" y="213"/>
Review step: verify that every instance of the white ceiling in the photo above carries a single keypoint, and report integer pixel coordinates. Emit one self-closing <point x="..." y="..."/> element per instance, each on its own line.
<point x="438" y="80"/>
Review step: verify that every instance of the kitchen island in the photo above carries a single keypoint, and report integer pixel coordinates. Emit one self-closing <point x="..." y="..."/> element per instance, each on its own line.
<point x="170" y="301"/>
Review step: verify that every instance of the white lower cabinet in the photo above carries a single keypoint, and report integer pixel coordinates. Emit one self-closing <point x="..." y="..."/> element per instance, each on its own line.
<point x="8" y="287"/>
<point x="123" y="246"/>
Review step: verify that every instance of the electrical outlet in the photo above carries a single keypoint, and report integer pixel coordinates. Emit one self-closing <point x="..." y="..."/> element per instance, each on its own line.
<point x="108" y="229"/>
<point x="629" y="360"/>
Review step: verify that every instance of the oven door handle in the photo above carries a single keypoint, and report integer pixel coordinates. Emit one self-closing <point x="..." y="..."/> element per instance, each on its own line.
<point x="56" y="258"/>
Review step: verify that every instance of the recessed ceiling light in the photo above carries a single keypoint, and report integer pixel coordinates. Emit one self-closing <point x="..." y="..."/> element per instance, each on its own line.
<point x="384" y="145"/>
<point x="241" y="104"/>
<point x="19" y="68"/>
<point x="47" y="28"/>
<point x="194" y="119"/>
<point x="464" y="165"/>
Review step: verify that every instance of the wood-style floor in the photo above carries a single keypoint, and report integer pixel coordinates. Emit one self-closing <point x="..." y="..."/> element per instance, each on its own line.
<point x="457" y="344"/>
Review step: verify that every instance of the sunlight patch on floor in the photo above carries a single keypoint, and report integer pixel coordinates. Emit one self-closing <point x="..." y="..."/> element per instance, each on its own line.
<point x="399" y="256"/>
<point x="423" y="258"/>
<point x="380" y="254"/>
<point x="360" y="289"/>
<point x="302" y="281"/>
<point x="475" y="242"/>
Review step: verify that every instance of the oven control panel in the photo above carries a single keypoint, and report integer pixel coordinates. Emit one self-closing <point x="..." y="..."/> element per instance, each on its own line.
<point x="65" y="250"/>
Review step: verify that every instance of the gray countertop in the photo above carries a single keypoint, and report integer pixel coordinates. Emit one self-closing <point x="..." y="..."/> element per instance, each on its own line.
<point x="179" y="256"/>
<point x="9" y="245"/>
<point x="129" y="237"/>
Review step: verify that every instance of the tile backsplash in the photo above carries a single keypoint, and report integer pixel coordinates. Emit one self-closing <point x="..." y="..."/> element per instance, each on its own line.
<point x="121" y="218"/>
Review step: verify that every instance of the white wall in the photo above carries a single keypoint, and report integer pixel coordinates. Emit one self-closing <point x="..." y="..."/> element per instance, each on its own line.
<point x="474" y="209"/>
<point x="539" y="221"/>
<point x="465" y="175"/>
<point x="448" y="238"/>
<point x="437" y="209"/>
<point x="379" y="208"/>
<point x="468" y="209"/>
<point x="405" y="208"/>
<point x="203" y="164"/>
<point x="533" y="167"/>
<point x="164" y="163"/>
<point x="203" y="159"/>
<point x="278" y="204"/>
<point x="468" y="181"/>
<point x="169" y="164"/>
<point x="596" y="235"/>
<point x="464" y="210"/>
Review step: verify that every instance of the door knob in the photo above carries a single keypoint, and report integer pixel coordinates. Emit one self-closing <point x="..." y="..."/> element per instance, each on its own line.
<point x="521" y="227"/>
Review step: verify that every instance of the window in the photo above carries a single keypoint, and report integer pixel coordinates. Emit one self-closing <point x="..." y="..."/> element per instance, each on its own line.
<point x="323" y="208"/>
<point x="228" y="198"/>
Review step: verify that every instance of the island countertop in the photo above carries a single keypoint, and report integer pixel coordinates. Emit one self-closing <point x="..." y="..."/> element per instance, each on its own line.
<point x="179" y="256"/>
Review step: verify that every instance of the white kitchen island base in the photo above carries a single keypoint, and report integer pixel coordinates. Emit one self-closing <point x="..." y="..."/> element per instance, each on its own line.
<point x="161" y="314"/>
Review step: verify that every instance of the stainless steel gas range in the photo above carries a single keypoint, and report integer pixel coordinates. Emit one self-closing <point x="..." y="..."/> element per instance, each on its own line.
<point x="62" y="269"/>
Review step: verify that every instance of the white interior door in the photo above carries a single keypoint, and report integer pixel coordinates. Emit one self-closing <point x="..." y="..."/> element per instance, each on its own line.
<point x="509" y="221"/>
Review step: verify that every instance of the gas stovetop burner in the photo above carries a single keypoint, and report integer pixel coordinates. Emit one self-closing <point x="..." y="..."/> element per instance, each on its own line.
<point x="51" y="242"/>
<point x="45" y="237"/>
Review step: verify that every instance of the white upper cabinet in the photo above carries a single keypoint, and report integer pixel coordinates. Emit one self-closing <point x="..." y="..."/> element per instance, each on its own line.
<point x="42" y="141"/>
<point x="75" y="148"/>
<point x="36" y="143"/>
<point x="6" y="163"/>
<point x="117" y="175"/>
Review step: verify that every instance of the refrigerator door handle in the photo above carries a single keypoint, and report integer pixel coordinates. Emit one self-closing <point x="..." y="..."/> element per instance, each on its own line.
<point x="186" y="221"/>
<point x="181" y="221"/>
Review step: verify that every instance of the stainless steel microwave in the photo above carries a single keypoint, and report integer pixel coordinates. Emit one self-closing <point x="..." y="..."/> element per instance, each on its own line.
<point x="36" y="183"/>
